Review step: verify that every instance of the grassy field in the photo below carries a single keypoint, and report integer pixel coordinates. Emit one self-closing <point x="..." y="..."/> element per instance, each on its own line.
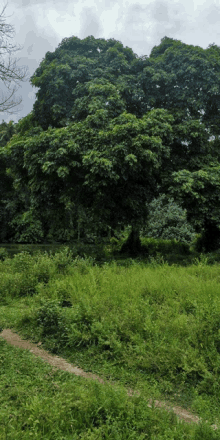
<point x="149" y="326"/>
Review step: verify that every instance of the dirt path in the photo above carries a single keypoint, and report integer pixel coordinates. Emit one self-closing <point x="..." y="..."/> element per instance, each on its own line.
<point x="60" y="363"/>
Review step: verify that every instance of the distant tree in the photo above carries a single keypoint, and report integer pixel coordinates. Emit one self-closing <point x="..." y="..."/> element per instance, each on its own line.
<point x="10" y="74"/>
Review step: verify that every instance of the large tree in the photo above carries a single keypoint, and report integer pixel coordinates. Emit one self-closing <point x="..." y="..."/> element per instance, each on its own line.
<point x="133" y="128"/>
<point x="109" y="165"/>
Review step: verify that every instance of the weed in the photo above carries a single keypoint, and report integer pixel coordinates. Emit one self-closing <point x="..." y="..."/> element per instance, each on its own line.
<point x="136" y="322"/>
<point x="51" y="323"/>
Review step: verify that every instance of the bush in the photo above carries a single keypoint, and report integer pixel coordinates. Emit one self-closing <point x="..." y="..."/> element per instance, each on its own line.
<point x="3" y="254"/>
<point x="168" y="221"/>
<point x="9" y="286"/>
<point x="22" y="262"/>
<point x="21" y="274"/>
<point x="51" y="324"/>
<point x="160" y="246"/>
<point x="83" y="264"/>
<point x="28" y="229"/>
<point x="63" y="259"/>
<point x="44" y="267"/>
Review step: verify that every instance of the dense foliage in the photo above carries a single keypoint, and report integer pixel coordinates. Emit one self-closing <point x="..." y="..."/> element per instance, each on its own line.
<point x="109" y="133"/>
<point x="152" y="328"/>
<point x="168" y="221"/>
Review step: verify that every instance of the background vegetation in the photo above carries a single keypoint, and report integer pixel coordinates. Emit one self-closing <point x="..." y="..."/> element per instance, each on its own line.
<point x="115" y="141"/>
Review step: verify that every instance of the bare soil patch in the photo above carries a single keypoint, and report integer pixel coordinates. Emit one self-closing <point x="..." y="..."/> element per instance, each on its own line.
<point x="60" y="363"/>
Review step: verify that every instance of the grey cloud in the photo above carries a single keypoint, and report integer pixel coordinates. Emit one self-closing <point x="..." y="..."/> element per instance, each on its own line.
<point x="213" y="16"/>
<point x="30" y="3"/>
<point x="160" y="12"/>
<point x="167" y="18"/>
<point x="109" y="3"/>
<point x="90" y="24"/>
<point x="30" y="49"/>
<point x="25" y="2"/>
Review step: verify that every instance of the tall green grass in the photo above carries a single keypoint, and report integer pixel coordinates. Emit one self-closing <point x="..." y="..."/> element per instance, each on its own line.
<point x="149" y="325"/>
<point x="40" y="402"/>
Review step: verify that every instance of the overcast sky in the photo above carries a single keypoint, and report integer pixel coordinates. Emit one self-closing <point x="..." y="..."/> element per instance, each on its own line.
<point x="40" y="25"/>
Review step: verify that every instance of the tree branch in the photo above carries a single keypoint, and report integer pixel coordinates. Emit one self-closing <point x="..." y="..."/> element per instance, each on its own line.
<point x="9" y="71"/>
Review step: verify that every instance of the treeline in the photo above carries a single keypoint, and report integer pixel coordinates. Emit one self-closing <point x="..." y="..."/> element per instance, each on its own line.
<point x="116" y="140"/>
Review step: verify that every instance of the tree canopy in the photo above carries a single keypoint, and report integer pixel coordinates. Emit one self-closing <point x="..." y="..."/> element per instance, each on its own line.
<point x="63" y="75"/>
<point x="113" y="170"/>
<point x="185" y="78"/>
<point x="110" y="132"/>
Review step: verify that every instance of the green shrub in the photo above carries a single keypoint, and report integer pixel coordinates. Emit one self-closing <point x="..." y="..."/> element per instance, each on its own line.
<point x="28" y="284"/>
<point x="27" y="228"/>
<point x="44" y="267"/>
<point x="27" y="271"/>
<point x="49" y="317"/>
<point x="168" y="221"/>
<point x="10" y="285"/>
<point x="51" y="324"/>
<point x="55" y="289"/>
<point x="83" y="264"/>
<point x="15" y="284"/>
<point x="159" y="246"/>
<point x="63" y="259"/>
<point x="3" y="254"/>
<point x="22" y="262"/>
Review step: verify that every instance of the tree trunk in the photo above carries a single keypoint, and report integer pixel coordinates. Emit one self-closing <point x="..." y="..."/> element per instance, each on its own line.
<point x="210" y="239"/>
<point x="133" y="244"/>
<point x="78" y="230"/>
